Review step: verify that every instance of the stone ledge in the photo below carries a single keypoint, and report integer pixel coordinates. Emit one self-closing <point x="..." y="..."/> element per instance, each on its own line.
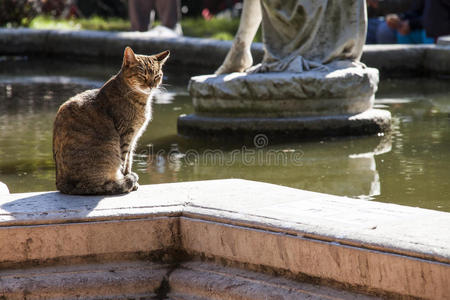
<point x="119" y="280"/>
<point x="101" y="44"/>
<point x="323" y="261"/>
<point x="195" y="279"/>
<point x="397" y="60"/>
<point x="437" y="60"/>
<point x="401" y="229"/>
<point x="391" y="60"/>
<point x="444" y="41"/>
<point x="147" y="280"/>
<point x="368" y="246"/>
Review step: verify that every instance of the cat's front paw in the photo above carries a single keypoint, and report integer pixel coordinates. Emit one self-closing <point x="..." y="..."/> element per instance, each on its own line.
<point x="135" y="179"/>
<point x="131" y="183"/>
<point x="136" y="176"/>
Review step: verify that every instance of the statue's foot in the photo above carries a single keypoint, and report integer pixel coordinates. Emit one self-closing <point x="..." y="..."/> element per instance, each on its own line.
<point x="238" y="60"/>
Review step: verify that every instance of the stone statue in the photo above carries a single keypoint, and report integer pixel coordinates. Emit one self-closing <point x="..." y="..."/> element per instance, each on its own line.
<point x="298" y="35"/>
<point x="310" y="82"/>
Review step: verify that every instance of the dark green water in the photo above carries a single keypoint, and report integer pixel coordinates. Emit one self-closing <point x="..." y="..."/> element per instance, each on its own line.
<point x="411" y="166"/>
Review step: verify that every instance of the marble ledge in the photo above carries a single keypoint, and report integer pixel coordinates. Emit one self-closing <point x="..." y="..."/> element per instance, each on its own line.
<point x="393" y="228"/>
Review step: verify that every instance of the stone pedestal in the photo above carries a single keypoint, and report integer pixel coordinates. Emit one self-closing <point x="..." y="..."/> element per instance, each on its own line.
<point x="298" y="105"/>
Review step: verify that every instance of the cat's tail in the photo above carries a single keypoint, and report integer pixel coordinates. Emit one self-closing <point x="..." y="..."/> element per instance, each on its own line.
<point x="123" y="185"/>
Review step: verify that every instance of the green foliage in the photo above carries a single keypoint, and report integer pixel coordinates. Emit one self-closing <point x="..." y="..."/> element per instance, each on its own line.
<point x="223" y="36"/>
<point x="42" y="22"/>
<point x="200" y="27"/>
<point x="16" y="12"/>
<point x="94" y="23"/>
<point x="109" y="24"/>
<point x="216" y="28"/>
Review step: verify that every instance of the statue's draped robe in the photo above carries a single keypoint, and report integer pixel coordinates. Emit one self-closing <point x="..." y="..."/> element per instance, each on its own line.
<point x="304" y="34"/>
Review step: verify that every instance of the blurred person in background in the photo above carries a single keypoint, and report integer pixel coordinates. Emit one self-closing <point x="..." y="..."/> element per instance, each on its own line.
<point x="407" y="21"/>
<point x="168" y="11"/>
<point x="408" y="26"/>
<point x="436" y="18"/>
<point x="378" y="32"/>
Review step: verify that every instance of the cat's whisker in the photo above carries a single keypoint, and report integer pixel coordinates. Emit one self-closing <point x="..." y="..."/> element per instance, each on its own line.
<point x="162" y="89"/>
<point x="143" y="92"/>
<point x="138" y="91"/>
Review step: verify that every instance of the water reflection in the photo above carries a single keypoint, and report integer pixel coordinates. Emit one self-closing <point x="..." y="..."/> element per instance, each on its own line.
<point x="26" y="119"/>
<point x="337" y="167"/>
<point x="417" y="171"/>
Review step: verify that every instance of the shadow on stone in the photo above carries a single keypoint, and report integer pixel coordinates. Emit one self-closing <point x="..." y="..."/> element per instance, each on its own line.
<point x="46" y="205"/>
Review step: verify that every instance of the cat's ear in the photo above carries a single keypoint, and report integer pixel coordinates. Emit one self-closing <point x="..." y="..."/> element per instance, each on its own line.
<point x="129" y="58"/>
<point x="162" y="57"/>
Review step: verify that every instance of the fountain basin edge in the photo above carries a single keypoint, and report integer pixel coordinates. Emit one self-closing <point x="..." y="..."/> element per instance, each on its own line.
<point x="228" y="226"/>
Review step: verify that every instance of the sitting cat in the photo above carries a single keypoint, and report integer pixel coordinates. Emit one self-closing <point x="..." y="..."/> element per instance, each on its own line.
<point x="95" y="132"/>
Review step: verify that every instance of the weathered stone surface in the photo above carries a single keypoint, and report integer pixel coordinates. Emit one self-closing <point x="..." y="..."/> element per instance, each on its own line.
<point x="334" y="218"/>
<point x="119" y="280"/>
<point x="405" y="61"/>
<point x="328" y="101"/>
<point x="143" y="280"/>
<point x="288" y="128"/>
<point x="210" y="281"/>
<point x="406" y="229"/>
<point x="25" y="244"/>
<point x="437" y="60"/>
<point x="369" y="246"/>
<point x="318" y="92"/>
<point x="54" y="207"/>
<point x="380" y="271"/>
<point x="23" y="41"/>
<point x="291" y="106"/>
<point x="396" y="60"/>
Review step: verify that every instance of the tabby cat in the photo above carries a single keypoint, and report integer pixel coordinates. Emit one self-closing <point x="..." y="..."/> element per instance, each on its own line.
<point x="95" y="132"/>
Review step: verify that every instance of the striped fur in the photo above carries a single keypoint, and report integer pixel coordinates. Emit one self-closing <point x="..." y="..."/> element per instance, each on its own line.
<point x="95" y="132"/>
